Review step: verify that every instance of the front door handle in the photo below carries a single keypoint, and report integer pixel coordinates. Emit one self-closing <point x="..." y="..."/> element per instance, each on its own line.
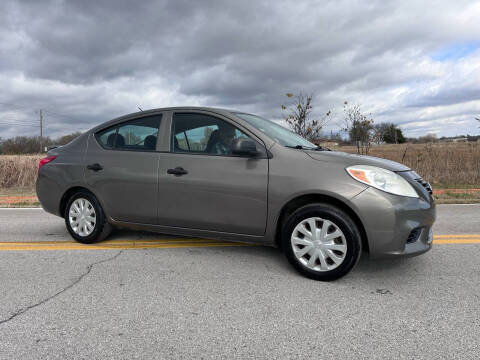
<point x="95" y="167"/>
<point x="178" y="171"/>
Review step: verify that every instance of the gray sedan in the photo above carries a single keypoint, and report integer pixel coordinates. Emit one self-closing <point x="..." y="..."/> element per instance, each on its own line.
<point x="229" y="175"/>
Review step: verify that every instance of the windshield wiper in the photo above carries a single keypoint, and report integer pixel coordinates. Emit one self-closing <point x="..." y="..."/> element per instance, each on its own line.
<point x="301" y="147"/>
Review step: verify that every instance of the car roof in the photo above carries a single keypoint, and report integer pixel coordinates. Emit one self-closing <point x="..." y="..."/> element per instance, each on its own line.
<point x="156" y="110"/>
<point x="180" y="108"/>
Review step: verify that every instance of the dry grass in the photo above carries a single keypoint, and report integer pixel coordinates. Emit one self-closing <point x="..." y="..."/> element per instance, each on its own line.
<point x="18" y="171"/>
<point x="458" y="198"/>
<point x="446" y="165"/>
<point x="450" y="165"/>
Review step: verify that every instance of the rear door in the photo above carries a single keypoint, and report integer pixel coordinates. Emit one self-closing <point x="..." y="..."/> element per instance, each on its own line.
<point x="216" y="191"/>
<point x="122" y="166"/>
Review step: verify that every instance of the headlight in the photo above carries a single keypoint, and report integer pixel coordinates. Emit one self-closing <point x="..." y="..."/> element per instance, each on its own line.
<point x="382" y="179"/>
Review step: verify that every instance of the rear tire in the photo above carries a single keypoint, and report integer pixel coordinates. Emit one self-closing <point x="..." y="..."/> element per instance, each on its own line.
<point x="85" y="220"/>
<point x="321" y="242"/>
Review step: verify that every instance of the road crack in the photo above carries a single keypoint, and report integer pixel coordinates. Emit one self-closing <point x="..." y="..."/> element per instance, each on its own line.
<point x="75" y="282"/>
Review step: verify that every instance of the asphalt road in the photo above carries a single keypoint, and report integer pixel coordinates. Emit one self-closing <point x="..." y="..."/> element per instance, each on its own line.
<point x="141" y="296"/>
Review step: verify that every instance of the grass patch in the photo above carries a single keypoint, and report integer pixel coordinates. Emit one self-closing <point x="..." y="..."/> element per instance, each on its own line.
<point x="18" y="191"/>
<point x="450" y="197"/>
<point x="457" y="201"/>
<point x="21" y="204"/>
<point x="26" y="197"/>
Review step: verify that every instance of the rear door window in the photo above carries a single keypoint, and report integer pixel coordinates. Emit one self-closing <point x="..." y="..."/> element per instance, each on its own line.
<point x="107" y="137"/>
<point x="137" y="135"/>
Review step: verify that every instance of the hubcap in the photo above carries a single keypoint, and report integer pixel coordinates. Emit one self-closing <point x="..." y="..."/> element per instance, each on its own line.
<point x="81" y="217"/>
<point x="319" y="244"/>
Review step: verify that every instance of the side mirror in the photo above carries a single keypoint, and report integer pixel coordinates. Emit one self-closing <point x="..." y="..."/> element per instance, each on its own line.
<point x="244" y="147"/>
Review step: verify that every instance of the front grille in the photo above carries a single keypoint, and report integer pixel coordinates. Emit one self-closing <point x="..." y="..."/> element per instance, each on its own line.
<point x="425" y="184"/>
<point x="414" y="235"/>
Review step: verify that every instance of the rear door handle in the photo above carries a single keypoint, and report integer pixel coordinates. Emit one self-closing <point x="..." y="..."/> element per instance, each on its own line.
<point x="178" y="171"/>
<point x="95" y="167"/>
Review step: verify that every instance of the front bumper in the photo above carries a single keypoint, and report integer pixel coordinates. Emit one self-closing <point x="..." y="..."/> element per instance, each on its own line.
<point x="389" y="220"/>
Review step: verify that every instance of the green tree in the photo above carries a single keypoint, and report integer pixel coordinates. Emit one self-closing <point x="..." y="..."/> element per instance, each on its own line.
<point x="389" y="133"/>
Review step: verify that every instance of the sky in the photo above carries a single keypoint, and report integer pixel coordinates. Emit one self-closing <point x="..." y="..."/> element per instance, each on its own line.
<point x="413" y="63"/>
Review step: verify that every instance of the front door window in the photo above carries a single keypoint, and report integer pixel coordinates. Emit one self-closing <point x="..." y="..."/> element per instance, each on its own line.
<point x="203" y="134"/>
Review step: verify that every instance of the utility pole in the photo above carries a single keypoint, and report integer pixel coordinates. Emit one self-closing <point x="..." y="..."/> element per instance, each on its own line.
<point x="41" y="131"/>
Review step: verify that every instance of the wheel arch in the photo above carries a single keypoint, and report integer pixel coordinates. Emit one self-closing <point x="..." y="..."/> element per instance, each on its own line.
<point x="306" y="199"/>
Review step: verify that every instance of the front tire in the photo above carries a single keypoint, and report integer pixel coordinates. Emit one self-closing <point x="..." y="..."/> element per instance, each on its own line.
<point x="85" y="219"/>
<point x="321" y="242"/>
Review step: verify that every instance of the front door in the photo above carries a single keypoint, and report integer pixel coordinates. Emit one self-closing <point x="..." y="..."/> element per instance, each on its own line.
<point x="202" y="186"/>
<point x="121" y="168"/>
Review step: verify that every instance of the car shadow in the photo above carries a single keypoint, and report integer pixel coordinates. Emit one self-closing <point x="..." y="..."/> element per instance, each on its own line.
<point x="274" y="259"/>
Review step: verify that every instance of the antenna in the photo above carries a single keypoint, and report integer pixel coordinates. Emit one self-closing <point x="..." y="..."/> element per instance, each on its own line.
<point x="139" y="108"/>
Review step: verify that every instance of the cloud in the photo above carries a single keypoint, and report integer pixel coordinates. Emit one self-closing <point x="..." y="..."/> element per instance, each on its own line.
<point x="92" y="61"/>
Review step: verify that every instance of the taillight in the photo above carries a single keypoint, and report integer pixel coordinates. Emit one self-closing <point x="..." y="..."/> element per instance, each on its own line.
<point x="46" y="160"/>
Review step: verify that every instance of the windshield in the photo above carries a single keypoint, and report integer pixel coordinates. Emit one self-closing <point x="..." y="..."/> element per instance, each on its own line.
<point x="277" y="132"/>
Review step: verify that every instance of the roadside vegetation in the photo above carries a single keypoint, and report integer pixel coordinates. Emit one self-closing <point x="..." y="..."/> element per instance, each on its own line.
<point x="18" y="171"/>
<point x="446" y="163"/>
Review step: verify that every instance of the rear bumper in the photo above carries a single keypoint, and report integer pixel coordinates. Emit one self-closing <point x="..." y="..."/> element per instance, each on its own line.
<point x="48" y="193"/>
<point x="389" y="221"/>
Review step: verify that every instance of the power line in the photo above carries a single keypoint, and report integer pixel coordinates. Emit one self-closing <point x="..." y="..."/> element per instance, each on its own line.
<point x="57" y="114"/>
<point x="11" y="122"/>
<point x="31" y="125"/>
<point x="54" y="113"/>
<point x="9" y="118"/>
<point x="17" y="123"/>
<point x="27" y="122"/>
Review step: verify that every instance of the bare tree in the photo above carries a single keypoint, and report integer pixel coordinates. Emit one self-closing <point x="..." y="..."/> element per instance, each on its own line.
<point x="359" y="127"/>
<point x="298" y="116"/>
<point x="65" y="139"/>
<point x="429" y="138"/>
<point x="31" y="144"/>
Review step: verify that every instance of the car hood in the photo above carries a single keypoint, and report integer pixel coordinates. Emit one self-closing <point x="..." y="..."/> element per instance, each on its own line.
<point x="354" y="159"/>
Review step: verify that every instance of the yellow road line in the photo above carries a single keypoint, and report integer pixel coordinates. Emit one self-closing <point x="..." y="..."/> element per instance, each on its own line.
<point x="163" y="243"/>
<point x="457" y="236"/>
<point x="457" y="241"/>
<point x="17" y="247"/>
<point x="112" y="242"/>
